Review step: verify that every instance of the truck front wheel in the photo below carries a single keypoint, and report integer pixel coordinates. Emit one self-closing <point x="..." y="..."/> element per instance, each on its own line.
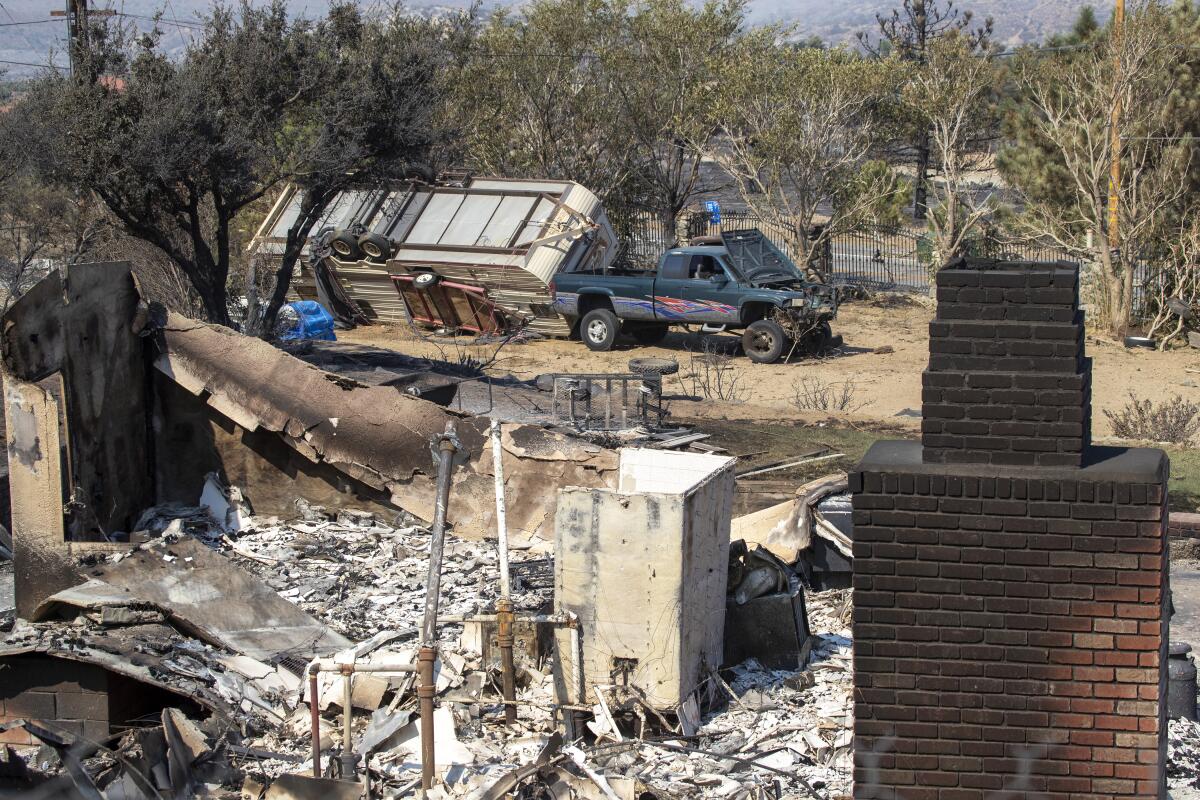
<point x="598" y="329"/>
<point x="764" y="341"/>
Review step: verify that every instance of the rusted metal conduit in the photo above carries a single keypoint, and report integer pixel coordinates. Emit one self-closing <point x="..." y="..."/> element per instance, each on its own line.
<point x="347" y="671"/>
<point x="448" y="446"/>
<point x="504" y="605"/>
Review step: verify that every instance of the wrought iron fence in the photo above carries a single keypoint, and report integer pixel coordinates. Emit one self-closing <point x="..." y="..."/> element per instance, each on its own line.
<point x="875" y="257"/>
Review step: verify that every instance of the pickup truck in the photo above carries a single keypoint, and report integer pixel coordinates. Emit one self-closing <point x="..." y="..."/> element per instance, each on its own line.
<point x="737" y="281"/>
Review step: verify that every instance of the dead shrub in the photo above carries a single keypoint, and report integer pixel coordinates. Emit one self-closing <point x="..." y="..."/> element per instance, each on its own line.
<point x="712" y="375"/>
<point x="1173" y="421"/>
<point x="814" y="394"/>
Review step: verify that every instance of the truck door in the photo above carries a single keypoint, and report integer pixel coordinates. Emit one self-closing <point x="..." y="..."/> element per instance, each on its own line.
<point x="670" y="286"/>
<point x="711" y="293"/>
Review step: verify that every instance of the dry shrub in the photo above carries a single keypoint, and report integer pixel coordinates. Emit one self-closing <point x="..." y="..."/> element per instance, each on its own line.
<point x="814" y="394"/>
<point x="1174" y="421"/>
<point x="712" y="375"/>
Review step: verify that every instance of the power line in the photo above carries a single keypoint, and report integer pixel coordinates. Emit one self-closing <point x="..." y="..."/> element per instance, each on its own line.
<point x="26" y="22"/>
<point x="30" y="64"/>
<point x="194" y="24"/>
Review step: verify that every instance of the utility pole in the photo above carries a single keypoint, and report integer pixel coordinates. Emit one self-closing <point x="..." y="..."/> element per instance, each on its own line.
<point x="1114" y="180"/>
<point x="78" y="34"/>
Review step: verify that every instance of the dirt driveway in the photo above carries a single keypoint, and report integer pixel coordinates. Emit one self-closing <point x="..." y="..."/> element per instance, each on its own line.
<point x="878" y="371"/>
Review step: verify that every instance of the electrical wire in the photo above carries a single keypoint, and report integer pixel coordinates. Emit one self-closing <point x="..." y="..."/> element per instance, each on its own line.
<point x="30" y="64"/>
<point x="27" y="22"/>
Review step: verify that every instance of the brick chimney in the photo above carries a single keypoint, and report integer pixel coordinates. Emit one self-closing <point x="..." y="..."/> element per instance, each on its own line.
<point x="1009" y="626"/>
<point x="1007" y="382"/>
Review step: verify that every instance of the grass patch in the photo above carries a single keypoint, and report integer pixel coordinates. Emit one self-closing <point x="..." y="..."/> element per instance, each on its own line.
<point x="762" y="443"/>
<point x="1185" y="478"/>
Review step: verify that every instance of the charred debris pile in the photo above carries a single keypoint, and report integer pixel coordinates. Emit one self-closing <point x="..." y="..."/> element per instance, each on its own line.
<point x="240" y="575"/>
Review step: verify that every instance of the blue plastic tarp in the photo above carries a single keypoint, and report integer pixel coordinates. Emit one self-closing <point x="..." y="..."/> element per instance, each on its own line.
<point x="313" y="322"/>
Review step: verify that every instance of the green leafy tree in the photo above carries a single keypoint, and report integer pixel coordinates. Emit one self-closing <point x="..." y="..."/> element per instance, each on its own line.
<point x="366" y="112"/>
<point x="175" y="148"/>
<point x="614" y="94"/>
<point x="800" y="127"/>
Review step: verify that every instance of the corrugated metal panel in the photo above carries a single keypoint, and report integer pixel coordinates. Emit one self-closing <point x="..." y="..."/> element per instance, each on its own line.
<point x="502" y="185"/>
<point x="544" y="261"/>
<point x="441" y="258"/>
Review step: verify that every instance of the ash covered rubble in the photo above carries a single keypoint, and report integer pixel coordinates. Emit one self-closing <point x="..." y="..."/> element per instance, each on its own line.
<point x="773" y="733"/>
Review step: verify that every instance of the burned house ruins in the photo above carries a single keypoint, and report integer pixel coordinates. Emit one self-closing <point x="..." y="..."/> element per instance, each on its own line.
<point x="240" y="572"/>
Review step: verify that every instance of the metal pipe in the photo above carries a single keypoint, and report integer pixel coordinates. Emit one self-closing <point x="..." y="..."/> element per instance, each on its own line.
<point x="329" y="665"/>
<point x="447" y="447"/>
<point x="316" y="723"/>
<point x="504" y="640"/>
<point x="425" y="692"/>
<point x="347" y="719"/>
<point x="504" y="606"/>
<point x="580" y="676"/>
<point x="501" y="509"/>
<point x="553" y="619"/>
<point x="318" y="666"/>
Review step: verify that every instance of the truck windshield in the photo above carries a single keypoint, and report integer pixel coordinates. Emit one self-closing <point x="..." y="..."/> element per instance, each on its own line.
<point x="754" y="257"/>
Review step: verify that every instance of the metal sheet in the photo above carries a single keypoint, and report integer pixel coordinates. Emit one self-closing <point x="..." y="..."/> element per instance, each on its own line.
<point x="435" y="219"/>
<point x="219" y="601"/>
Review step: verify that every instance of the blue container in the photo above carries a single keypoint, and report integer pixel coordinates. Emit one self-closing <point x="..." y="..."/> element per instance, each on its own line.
<point x="312" y="322"/>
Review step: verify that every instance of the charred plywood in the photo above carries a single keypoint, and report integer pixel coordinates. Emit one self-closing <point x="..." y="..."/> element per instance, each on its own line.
<point x="80" y="328"/>
<point x="35" y="480"/>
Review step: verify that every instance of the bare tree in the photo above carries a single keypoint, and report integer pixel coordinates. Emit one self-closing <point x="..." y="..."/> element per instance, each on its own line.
<point x="908" y="33"/>
<point x="1176" y="276"/>
<point x="952" y="94"/>
<point x="1063" y="150"/>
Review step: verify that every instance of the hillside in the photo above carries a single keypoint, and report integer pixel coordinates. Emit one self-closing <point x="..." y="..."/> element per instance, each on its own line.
<point x="1016" y="21"/>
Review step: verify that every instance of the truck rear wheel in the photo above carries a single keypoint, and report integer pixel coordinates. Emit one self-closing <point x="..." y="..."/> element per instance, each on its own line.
<point x="650" y="334"/>
<point x="764" y="341"/>
<point x="598" y="329"/>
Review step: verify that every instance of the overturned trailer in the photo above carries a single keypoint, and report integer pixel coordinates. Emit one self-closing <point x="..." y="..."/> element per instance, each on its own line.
<point x="478" y="256"/>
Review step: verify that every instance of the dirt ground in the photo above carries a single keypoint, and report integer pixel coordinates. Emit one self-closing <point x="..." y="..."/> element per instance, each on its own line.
<point x="878" y="371"/>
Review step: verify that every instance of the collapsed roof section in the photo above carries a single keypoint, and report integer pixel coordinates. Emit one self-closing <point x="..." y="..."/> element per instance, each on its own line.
<point x="505" y="238"/>
<point x="110" y="413"/>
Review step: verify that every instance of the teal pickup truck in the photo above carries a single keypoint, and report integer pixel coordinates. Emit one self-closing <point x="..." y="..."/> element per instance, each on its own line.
<point x="737" y="281"/>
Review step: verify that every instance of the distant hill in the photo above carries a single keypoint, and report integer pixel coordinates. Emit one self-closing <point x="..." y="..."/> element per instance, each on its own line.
<point x="1016" y="21"/>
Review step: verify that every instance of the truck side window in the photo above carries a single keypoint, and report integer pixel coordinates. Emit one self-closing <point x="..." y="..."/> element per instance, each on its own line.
<point x="674" y="266"/>
<point x="703" y="267"/>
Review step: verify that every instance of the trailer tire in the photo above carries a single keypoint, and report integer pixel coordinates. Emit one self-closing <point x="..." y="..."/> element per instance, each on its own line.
<point x="424" y="281"/>
<point x="375" y="247"/>
<point x="344" y="245"/>
<point x="764" y="341"/>
<point x="653" y="366"/>
<point x="599" y="328"/>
